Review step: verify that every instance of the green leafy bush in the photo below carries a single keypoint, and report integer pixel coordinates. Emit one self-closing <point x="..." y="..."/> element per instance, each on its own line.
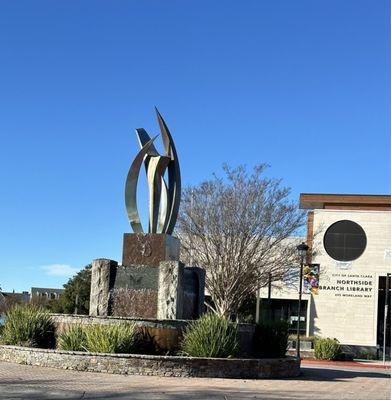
<point x="327" y="349"/>
<point x="28" y="325"/>
<point x="211" y="336"/>
<point x="110" y="338"/>
<point x="145" y="343"/>
<point x="366" y="355"/>
<point x="271" y="339"/>
<point x="73" y="339"/>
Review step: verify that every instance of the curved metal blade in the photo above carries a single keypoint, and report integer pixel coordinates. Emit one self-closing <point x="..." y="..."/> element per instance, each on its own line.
<point x="163" y="206"/>
<point x="174" y="176"/>
<point x="131" y="188"/>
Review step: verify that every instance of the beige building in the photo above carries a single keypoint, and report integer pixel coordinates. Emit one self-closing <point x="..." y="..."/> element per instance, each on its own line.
<point x="350" y="238"/>
<point x="43" y="295"/>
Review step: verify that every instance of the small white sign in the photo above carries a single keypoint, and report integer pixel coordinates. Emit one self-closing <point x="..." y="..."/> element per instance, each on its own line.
<point x="387" y="254"/>
<point x="343" y="265"/>
<point x="295" y="318"/>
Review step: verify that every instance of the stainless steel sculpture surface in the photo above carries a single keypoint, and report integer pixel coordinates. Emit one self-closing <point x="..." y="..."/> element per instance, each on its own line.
<point x="164" y="198"/>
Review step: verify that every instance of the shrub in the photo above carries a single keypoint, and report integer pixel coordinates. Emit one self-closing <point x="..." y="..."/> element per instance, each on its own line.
<point x="145" y="343"/>
<point x="110" y="338"/>
<point x="28" y="325"/>
<point x="327" y="349"/>
<point x="366" y="355"/>
<point x="271" y="339"/>
<point x="73" y="339"/>
<point x="211" y="336"/>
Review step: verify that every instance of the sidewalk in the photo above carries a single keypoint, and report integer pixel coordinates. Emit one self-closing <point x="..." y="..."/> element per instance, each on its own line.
<point x="315" y="382"/>
<point x="354" y="363"/>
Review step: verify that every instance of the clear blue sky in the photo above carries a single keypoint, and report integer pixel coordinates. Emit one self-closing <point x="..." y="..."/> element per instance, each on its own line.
<point x="303" y="85"/>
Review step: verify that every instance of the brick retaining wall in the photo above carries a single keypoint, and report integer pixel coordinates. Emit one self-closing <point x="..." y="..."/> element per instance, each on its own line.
<point x="153" y="365"/>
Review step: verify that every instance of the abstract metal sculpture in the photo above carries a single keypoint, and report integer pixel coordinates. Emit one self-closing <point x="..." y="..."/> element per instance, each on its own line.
<point x="163" y="199"/>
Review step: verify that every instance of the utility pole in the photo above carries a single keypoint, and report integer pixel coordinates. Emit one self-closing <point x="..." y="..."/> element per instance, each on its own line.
<point x="302" y="251"/>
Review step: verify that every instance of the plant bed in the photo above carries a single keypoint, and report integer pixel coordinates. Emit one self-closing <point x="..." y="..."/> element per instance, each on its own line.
<point x="168" y="333"/>
<point x="136" y="364"/>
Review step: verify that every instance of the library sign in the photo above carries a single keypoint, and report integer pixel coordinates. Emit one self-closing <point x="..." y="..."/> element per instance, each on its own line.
<point x="348" y="285"/>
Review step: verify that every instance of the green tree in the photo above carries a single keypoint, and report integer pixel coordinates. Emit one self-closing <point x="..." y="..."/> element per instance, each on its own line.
<point x="76" y="296"/>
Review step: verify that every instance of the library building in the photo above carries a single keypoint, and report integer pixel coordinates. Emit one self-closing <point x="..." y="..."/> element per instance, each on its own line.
<point x="349" y="239"/>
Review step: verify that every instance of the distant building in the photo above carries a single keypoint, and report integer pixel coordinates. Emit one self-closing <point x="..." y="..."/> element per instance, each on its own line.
<point x="13" y="297"/>
<point x="43" y="295"/>
<point x="36" y="296"/>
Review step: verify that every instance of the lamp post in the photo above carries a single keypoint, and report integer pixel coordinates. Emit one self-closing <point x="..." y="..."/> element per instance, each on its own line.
<point x="302" y="249"/>
<point x="385" y="317"/>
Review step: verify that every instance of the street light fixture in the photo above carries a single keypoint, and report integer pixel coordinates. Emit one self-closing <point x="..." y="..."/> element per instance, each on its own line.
<point x="302" y="249"/>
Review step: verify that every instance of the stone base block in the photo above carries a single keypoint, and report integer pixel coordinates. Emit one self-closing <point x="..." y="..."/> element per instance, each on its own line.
<point x="170" y="294"/>
<point x="150" y="283"/>
<point x="149" y="249"/>
<point x="102" y="280"/>
<point x="135" y="303"/>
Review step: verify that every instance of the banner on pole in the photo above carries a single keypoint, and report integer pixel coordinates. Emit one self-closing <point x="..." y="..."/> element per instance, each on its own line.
<point x="311" y="278"/>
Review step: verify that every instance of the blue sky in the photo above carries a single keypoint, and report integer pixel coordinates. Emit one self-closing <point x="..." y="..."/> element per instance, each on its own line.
<point x="302" y="85"/>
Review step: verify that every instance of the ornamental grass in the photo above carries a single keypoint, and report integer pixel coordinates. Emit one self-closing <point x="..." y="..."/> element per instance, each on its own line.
<point x="211" y="336"/>
<point x="28" y="325"/>
<point x="327" y="349"/>
<point x="73" y="339"/>
<point x="110" y="338"/>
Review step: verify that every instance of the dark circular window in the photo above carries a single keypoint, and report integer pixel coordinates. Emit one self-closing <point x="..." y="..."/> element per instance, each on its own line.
<point x="345" y="241"/>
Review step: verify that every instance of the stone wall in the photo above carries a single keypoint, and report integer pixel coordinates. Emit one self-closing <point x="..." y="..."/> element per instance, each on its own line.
<point x="154" y="365"/>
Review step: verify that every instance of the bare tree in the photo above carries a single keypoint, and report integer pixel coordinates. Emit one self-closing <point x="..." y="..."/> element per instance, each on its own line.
<point x="237" y="229"/>
<point x="7" y="302"/>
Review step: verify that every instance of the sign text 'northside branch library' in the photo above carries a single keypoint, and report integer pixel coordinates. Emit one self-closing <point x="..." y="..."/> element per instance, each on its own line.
<point x="349" y="285"/>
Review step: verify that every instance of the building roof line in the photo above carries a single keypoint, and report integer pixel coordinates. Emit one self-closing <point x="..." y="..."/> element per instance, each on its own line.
<point x="345" y="201"/>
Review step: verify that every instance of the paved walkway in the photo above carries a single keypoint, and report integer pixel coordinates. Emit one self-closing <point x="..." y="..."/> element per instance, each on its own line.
<point x="320" y="383"/>
<point x="355" y="363"/>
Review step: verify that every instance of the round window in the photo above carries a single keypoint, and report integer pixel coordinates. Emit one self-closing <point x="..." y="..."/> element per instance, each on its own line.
<point x="345" y="241"/>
